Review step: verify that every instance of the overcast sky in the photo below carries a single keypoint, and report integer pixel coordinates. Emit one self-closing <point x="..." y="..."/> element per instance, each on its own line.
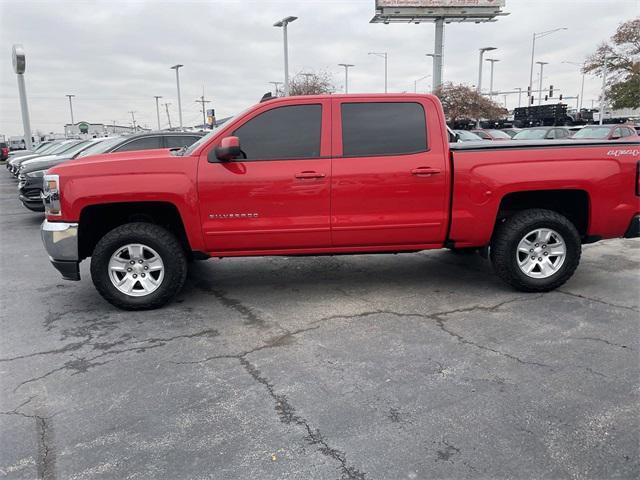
<point x="115" y="55"/>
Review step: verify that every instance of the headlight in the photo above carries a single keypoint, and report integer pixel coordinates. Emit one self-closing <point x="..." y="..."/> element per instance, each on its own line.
<point x="36" y="174"/>
<point x="51" y="195"/>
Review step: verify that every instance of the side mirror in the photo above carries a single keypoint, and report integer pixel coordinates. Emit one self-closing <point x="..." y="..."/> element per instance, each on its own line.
<point x="228" y="149"/>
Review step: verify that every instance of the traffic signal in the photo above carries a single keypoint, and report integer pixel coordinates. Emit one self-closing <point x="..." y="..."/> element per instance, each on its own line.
<point x="560" y="97"/>
<point x="531" y="100"/>
<point x="550" y="91"/>
<point x="528" y="91"/>
<point x="546" y="97"/>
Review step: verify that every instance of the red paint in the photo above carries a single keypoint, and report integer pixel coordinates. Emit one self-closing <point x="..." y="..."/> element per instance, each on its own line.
<point x="335" y="204"/>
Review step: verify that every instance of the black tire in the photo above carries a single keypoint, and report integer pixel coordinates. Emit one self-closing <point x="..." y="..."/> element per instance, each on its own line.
<point x="159" y="239"/>
<point x="507" y="236"/>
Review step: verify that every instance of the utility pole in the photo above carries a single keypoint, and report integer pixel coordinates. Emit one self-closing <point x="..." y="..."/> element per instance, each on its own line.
<point x="275" y="84"/>
<point x="542" y="64"/>
<point x="166" y="106"/>
<point x="71" y="107"/>
<point x="492" y="61"/>
<point x="114" y="126"/>
<point x="176" y="68"/>
<point x="133" y="119"/>
<point x="346" y="75"/>
<point x="203" y="102"/>
<point x="157" y="97"/>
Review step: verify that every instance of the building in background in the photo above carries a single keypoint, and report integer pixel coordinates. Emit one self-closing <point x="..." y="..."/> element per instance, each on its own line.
<point x="95" y="130"/>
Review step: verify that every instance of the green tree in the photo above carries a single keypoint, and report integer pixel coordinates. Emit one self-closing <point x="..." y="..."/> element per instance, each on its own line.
<point x="623" y="65"/>
<point x="465" y="103"/>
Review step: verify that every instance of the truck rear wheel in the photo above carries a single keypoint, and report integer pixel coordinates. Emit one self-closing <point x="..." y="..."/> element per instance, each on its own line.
<point x="138" y="266"/>
<point x="536" y="250"/>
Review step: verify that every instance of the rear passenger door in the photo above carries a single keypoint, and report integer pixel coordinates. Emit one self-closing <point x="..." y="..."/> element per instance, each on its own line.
<point x="389" y="183"/>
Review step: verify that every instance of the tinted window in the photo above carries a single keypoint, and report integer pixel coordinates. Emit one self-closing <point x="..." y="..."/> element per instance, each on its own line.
<point x="283" y="132"/>
<point x="144" y="143"/>
<point x="174" y="141"/>
<point x="383" y="128"/>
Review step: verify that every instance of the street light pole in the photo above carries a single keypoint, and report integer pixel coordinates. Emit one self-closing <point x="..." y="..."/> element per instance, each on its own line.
<point x="133" y="120"/>
<point x="482" y="50"/>
<point x="603" y="92"/>
<point x="157" y="109"/>
<point x="533" y="51"/>
<point x="415" y="83"/>
<point x="70" y="106"/>
<point x="283" y="23"/>
<point x="383" y="55"/>
<point x="346" y="75"/>
<point x="581" y="65"/>
<point x="492" y="61"/>
<point x="519" y="89"/>
<point x="542" y="64"/>
<point x="176" y="68"/>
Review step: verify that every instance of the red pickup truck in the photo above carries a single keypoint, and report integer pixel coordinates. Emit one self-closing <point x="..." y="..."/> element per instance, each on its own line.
<point x="336" y="174"/>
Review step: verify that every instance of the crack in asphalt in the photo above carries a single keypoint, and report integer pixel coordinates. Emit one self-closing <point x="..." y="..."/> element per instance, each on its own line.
<point x="596" y="339"/>
<point x="597" y="300"/>
<point x="46" y="461"/>
<point x="287" y="414"/>
<point x="83" y="364"/>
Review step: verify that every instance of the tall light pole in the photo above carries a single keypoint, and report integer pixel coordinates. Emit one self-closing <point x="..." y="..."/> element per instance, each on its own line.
<point x="542" y="64"/>
<point x="19" y="66"/>
<point x="133" y="120"/>
<point x="519" y="89"/>
<point x="386" y="71"/>
<point x="603" y="93"/>
<point x="492" y="61"/>
<point x="415" y="82"/>
<point x="482" y="50"/>
<point x="157" y="97"/>
<point x="283" y="23"/>
<point x="581" y="65"/>
<point x="70" y="106"/>
<point x="346" y="75"/>
<point x="166" y="107"/>
<point x="533" y="52"/>
<point x="176" y="68"/>
<point x="437" y="81"/>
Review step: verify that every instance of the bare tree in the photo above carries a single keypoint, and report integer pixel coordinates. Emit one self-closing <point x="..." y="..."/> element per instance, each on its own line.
<point x="461" y="103"/>
<point x="623" y="65"/>
<point x="311" y="84"/>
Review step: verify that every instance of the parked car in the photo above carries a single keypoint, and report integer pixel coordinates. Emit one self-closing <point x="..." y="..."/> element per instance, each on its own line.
<point x="55" y="148"/>
<point x="467" y="136"/>
<point x="281" y="179"/>
<point x="542" y="133"/>
<point x="38" y="149"/>
<point x="491" y="134"/>
<point x="511" y="131"/>
<point x="605" y="132"/>
<point x="4" y="151"/>
<point x="30" y="179"/>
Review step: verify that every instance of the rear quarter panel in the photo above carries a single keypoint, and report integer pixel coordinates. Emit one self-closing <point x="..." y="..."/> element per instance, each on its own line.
<point x="484" y="177"/>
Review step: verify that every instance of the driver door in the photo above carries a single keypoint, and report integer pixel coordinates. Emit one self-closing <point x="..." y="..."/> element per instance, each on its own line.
<point x="278" y="197"/>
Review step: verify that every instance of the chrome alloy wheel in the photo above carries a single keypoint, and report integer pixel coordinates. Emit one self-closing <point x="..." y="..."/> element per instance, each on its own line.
<point x="136" y="270"/>
<point x="541" y="253"/>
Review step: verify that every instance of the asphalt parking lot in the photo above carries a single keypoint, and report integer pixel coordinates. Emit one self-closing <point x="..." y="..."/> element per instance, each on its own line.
<point x="416" y="366"/>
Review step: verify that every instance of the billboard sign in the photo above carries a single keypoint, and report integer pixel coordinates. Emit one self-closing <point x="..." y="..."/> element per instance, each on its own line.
<point x="438" y="3"/>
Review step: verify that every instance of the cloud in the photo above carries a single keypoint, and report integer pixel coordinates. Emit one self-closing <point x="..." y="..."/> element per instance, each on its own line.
<point x="115" y="55"/>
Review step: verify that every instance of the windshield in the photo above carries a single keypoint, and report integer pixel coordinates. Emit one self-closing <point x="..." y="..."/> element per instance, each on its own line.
<point x="42" y="147"/>
<point x="499" y="134"/>
<point x="592" y="132"/>
<point x="531" y="134"/>
<point x="63" y="147"/>
<point x="77" y="148"/>
<point x="466" y="136"/>
<point x="100" y="147"/>
<point x="49" y="147"/>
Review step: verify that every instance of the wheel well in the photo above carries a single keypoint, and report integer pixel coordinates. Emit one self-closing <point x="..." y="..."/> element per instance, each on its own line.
<point x="97" y="220"/>
<point x="573" y="204"/>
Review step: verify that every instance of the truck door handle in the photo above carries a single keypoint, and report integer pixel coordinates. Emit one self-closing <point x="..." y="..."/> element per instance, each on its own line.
<point x="425" y="171"/>
<point x="309" y="174"/>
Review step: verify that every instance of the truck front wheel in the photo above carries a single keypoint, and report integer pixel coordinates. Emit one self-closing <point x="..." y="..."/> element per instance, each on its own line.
<point x="535" y="250"/>
<point x="138" y="266"/>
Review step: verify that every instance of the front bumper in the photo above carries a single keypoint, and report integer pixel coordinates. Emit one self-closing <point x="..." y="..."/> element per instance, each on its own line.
<point x="634" y="228"/>
<point x="60" y="240"/>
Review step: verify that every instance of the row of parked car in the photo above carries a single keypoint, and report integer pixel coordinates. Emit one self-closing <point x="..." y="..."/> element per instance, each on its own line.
<point x="29" y="166"/>
<point x="587" y="132"/>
